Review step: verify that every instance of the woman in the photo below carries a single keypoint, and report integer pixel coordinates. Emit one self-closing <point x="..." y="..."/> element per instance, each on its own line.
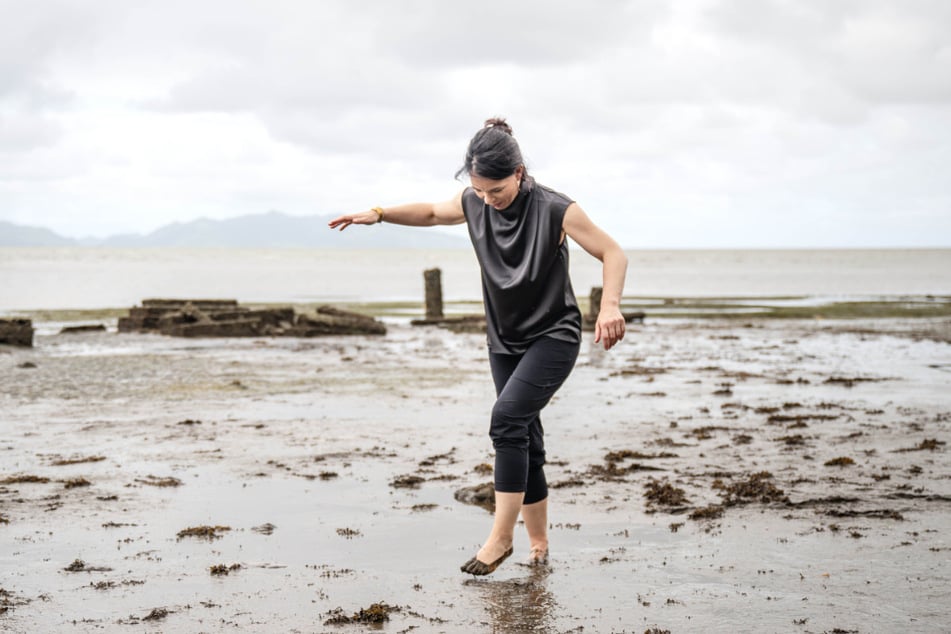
<point x="518" y="230"/>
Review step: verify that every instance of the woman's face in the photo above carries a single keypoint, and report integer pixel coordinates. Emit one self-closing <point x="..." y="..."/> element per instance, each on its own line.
<point x="497" y="193"/>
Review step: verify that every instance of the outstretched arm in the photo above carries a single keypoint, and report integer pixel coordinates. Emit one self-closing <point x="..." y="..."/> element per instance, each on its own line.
<point x="414" y="214"/>
<point x="580" y="228"/>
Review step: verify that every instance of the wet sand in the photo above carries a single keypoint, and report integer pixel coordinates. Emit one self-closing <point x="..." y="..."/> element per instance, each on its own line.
<point x="707" y="476"/>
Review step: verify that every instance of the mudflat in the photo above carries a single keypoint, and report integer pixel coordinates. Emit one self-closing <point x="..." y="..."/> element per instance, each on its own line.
<point x="706" y="476"/>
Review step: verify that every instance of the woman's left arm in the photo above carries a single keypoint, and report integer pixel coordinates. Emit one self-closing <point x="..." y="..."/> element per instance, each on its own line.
<point x="580" y="228"/>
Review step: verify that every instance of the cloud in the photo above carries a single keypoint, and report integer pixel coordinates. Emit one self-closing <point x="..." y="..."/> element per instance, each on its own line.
<point x="23" y="132"/>
<point x="695" y="122"/>
<point x="881" y="52"/>
<point x="31" y="37"/>
<point x="530" y="35"/>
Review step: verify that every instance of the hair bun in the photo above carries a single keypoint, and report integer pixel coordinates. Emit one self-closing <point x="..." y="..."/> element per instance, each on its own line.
<point x="498" y="122"/>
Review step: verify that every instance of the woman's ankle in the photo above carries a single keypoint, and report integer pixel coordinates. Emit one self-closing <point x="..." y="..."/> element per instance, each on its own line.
<point x="496" y="541"/>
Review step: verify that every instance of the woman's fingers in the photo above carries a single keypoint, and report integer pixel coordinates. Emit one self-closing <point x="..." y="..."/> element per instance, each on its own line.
<point x="342" y="222"/>
<point x="609" y="330"/>
<point x="362" y="218"/>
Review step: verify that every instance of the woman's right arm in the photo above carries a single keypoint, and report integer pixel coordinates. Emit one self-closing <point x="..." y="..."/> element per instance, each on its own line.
<point x="414" y="215"/>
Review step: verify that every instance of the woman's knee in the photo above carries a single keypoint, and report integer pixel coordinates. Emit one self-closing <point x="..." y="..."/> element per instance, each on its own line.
<point x="508" y="426"/>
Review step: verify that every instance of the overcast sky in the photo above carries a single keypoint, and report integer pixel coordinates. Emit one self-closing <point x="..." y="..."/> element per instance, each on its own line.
<point x="708" y="123"/>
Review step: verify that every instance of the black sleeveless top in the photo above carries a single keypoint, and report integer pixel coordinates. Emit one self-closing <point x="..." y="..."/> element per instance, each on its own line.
<point x="524" y="262"/>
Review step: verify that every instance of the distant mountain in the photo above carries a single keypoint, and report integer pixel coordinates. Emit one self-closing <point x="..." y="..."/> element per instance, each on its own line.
<point x="12" y="235"/>
<point x="270" y="230"/>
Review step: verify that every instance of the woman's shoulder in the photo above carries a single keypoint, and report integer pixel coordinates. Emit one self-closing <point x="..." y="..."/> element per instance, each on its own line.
<point x="468" y="195"/>
<point x="471" y="203"/>
<point x="547" y="194"/>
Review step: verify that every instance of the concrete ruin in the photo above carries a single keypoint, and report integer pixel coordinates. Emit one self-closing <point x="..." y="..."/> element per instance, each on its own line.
<point x="225" y="318"/>
<point x="16" y="332"/>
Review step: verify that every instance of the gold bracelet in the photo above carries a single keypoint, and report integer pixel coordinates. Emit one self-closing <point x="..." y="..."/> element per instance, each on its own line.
<point x="379" y="212"/>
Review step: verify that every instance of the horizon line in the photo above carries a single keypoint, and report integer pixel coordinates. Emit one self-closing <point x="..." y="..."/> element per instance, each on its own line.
<point x="574" y="246"/>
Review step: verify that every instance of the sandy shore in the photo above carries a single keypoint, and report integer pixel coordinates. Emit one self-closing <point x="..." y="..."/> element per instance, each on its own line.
<point x="708" y="476"/>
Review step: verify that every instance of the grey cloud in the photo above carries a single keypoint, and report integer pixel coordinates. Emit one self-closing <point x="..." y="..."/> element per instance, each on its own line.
<point x="376" y="136"/>
<point x="316" y="85"/>
<point x="24" y="132"/>
<point x="331" y="58"/>
<point x="881" y="51"/>
<point x="529" y="34"/>
<point x="610" y="97"/>
<point x="833" y="63"/>
<point x="33" y="36"/>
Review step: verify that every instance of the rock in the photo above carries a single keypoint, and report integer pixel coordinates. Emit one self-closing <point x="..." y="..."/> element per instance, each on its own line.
<point x="16" y="332"/>
<point x="481" y="495"/>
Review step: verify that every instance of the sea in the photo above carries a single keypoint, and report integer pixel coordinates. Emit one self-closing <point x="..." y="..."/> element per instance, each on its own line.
<point x="84" y="278"/>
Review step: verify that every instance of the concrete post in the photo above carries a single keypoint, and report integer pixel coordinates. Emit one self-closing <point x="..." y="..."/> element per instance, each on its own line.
<point x="594" y="308"/>
<point x="433" y="282"/>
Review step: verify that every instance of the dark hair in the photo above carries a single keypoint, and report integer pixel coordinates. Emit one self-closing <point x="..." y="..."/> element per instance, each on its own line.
<point x="493" y="152"/>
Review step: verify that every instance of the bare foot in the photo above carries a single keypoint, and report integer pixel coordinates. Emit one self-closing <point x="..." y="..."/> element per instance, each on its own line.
<point x="538" y="555"/>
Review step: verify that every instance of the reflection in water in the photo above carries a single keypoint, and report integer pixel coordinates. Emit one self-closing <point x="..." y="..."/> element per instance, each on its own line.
<point x="519" y="605"/>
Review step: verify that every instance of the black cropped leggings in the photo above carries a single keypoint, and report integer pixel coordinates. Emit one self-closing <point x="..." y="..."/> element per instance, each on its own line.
<point x="524" y="384"/>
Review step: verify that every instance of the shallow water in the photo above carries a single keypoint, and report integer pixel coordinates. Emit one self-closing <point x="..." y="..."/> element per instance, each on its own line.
<point x="277" y="413"/>
<point x="91" y="278"/>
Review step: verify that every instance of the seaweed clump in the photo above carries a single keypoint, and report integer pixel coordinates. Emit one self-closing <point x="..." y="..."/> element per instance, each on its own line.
<point x="82" y="460"/>
<point x="8" y="601"/>
<point x="625" y="454"/>
<point x="611" y="471"/>
<point x="407" y="482"/>
<point x="376" y="613"/>
<point x="757" y="488"/>
<point x="349" y="533"/>
<point x="79" y="565"/>
<point x="220" y="570"/>
<point x="203" y="532"/>
<point x="25" y="479"/>
<point x="663" y="493"/>
<point x="841" y="461"/>
<point x="157" y="614"/>
<point x="928" y="444"/>
<point x="712" y="512"/>
<point x="156" y="481"/>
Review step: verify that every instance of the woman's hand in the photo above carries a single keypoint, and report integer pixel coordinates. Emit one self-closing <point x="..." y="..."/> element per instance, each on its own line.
<point x="609" y="327"/>
<point x="362" y="218"/>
